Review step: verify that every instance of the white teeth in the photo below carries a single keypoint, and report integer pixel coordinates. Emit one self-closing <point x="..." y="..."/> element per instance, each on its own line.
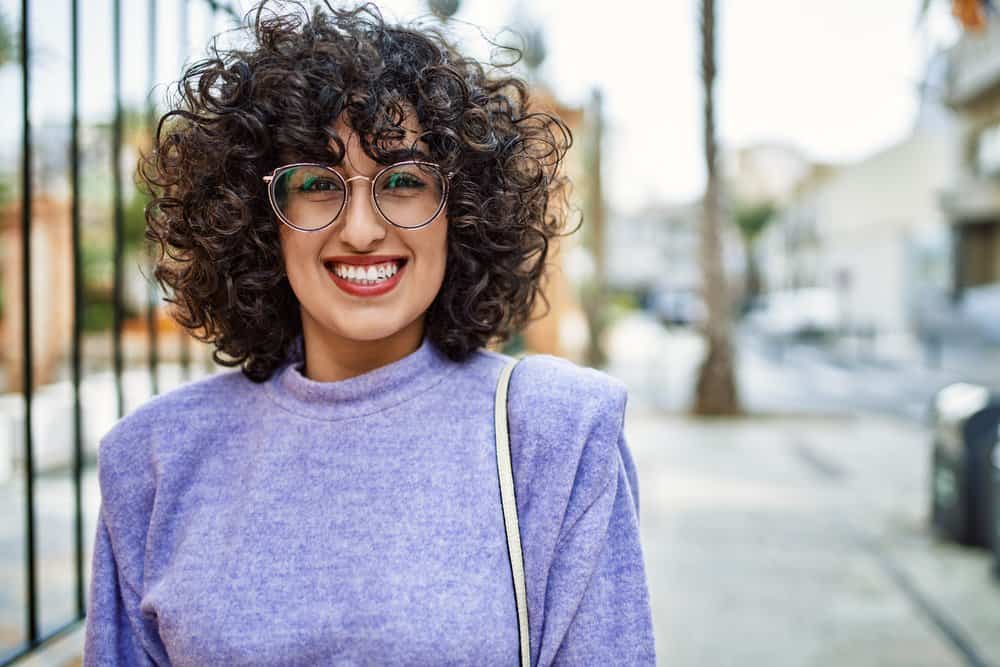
<point x="366" y="275"/>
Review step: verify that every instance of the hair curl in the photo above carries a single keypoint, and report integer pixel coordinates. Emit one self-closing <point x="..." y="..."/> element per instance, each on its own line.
<point x="241" y="112"/>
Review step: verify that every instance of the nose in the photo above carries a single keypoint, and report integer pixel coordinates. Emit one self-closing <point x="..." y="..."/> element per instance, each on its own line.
<point x="361" y="226"/>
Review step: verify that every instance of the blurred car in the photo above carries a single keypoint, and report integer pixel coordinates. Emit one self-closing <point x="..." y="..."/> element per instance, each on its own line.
<point x="678" y="307"/>
<point x="796" y="313"/>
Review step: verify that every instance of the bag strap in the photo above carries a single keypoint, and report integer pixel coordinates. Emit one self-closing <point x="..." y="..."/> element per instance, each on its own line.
<point x="509" y="504"/>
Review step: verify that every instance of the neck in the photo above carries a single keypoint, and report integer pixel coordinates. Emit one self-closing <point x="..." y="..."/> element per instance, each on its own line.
<point x="329" y="357"/>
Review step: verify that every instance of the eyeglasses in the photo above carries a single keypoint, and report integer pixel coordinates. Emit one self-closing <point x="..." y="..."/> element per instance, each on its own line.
<point x="310" y="196"/>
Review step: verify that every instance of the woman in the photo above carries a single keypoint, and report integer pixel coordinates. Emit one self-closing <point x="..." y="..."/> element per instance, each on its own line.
<point x="350" y="211"/>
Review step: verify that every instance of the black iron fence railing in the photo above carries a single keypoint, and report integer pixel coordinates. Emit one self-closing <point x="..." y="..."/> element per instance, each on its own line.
<point x="27" y="205"/>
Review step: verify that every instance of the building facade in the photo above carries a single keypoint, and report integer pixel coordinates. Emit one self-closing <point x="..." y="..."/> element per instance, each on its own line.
<point x="874" y="233"/>
<point x="971" y="203"/>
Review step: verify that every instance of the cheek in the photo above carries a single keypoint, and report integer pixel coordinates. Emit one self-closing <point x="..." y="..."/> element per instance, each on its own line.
<point x="297" y="254"/>
<point x="439" y="252"/>
<point x="286" y="253"/>
<point x="430" y="245"/>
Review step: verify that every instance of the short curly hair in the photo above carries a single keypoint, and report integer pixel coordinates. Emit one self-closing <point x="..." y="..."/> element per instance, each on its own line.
<point x="241" y="112"/>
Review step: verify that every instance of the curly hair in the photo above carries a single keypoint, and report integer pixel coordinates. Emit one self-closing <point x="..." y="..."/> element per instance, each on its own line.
<point x="241" y="112"/>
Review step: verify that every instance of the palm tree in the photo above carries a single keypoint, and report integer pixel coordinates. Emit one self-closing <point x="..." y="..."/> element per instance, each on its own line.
<point x="716" y="392"/>
<point x="751" y="219"/>
<point x="594" y="292"/>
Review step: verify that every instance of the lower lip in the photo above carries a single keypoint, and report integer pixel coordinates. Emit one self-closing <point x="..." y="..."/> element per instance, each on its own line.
<point x="368" y="290"/>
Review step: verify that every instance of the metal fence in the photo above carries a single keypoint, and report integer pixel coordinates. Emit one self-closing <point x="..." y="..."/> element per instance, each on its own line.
<point x="27" y="27"/>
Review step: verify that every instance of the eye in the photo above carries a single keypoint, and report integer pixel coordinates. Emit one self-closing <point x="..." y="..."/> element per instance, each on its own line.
<point x="400" y="180"/>
<point x="314" y="183"/>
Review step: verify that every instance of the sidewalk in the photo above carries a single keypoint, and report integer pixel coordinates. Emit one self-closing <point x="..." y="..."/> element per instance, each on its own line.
<point x="803" y="541"/>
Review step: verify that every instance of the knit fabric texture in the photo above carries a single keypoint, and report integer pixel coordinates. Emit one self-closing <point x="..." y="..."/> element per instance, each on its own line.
<point x="359" y="522"/>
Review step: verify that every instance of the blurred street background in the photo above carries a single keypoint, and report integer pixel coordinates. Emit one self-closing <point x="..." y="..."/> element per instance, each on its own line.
<point x="790" y="252"/>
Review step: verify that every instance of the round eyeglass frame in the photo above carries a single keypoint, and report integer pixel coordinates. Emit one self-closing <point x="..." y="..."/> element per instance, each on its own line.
<point x="272" y="177"/>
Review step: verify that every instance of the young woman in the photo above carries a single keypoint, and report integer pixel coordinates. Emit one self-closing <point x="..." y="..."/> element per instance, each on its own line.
<point x="350" y="211"/>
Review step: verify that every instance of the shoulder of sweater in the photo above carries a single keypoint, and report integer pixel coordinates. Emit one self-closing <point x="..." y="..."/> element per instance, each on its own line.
<point x="127" y="442"/>
<point x="547" y="372"/>
<point x="562" y="412"/>
<point x="556" y="380"/>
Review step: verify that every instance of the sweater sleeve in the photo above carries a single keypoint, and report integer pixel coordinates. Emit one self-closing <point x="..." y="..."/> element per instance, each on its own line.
<point x="117" y="632"/>
<point x="598" y="567"/>
<point x="112" y="611"/>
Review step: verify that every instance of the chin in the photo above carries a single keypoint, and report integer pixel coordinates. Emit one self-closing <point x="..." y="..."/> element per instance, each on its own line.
<point x="368" y="332"/>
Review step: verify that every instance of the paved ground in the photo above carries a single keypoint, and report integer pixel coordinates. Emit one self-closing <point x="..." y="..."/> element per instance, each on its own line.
<point x="797" y="536"/>
<point x="803" y="541"/>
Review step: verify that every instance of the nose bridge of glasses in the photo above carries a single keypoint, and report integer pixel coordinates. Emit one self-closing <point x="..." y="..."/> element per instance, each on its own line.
<point x="369" y="204"/>
<point x="347" y="182"/>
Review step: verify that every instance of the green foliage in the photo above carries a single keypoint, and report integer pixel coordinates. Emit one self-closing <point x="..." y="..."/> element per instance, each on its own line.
<point x="98" y="267"/>
<point x="8" y="54"/>
<point x="134" y="222"/>
<point x="99" y="309"/>
<point x="98" y="315"/>
<point x="8" y="41"/>
<point x="752" y="219"/>
<point x="621" y="304"/>
<point x="97" y="245"/>
<point x="97" y="277"/>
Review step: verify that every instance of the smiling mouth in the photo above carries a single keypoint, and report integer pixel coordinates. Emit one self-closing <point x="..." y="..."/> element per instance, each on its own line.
<point x="357" y="280"/>
<point x="366" y="274"/>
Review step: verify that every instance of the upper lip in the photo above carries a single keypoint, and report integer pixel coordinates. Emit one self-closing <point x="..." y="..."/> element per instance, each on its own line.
<point x="362" y="260"/>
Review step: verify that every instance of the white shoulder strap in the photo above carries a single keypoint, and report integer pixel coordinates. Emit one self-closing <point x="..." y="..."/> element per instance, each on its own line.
<point x="510" y="509"/>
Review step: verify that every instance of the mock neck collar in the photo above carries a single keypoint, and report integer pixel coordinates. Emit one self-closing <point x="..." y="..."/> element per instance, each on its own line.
<point x="360" y="395"/>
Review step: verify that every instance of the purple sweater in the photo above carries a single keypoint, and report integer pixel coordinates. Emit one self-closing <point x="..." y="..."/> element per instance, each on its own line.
<point x="358" y="522"/>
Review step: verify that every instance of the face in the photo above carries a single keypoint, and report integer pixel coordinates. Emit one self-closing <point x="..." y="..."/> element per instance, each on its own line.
<point x="338" y="311"/>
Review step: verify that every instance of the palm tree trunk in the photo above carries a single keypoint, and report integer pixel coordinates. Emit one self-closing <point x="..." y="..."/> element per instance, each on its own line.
<point x="716" y="392"/>
<point x="595" y="291"/>
<point x="753" y="281"/>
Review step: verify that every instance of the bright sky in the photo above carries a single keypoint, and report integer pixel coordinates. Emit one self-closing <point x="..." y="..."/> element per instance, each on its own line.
<point x="836" y="79"/>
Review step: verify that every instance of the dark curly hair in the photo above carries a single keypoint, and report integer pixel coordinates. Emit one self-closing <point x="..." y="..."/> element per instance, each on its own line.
<point x="241" y="112"/>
